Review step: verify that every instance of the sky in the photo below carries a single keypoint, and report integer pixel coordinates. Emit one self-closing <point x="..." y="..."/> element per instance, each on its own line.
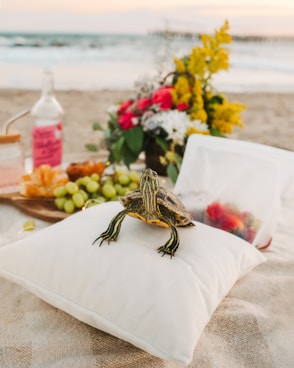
<point x="254" y="17"/>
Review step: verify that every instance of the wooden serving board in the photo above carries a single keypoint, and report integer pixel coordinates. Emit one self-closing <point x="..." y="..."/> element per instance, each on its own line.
<point x="41" y="208"/>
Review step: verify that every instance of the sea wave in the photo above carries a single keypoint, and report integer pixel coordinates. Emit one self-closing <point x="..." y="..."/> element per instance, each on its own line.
<point x="95" y="61"/>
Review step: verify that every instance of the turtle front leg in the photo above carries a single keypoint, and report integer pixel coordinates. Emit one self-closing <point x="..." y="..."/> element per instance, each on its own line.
<point x="111" y="233"/>
<point x="173" y="242"/>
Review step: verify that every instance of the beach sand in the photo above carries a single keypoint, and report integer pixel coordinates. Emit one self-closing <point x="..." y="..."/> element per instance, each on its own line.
<point x="269" y="118"/>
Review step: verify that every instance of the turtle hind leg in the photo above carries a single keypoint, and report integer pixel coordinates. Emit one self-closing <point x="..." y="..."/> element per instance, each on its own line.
<point x="171" y="246"/>
<point x="111" y="233"/>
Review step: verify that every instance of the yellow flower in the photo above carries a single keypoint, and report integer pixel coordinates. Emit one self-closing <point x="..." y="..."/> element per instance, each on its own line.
<point x="211" y="57"/>
<point x="193" y="130"/>
<point x="219" y="61"/>
<point x="197" y="111"/>
<point x="180" y="66"/>
<point x="226" y="115"/>
<point x="170" y="156"/>
<point x="181" y="92"/>
<point x="193" y="83"/>
<point x="198" y="114"/>
<point x="197" y="63"/>
<point x="223" y="36"/>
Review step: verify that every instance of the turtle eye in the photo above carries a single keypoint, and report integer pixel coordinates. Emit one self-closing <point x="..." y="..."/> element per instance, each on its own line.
<point x="154" y="174"/>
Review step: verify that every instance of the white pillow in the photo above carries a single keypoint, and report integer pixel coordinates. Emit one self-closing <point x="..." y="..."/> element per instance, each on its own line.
<point x="127" y="289"/>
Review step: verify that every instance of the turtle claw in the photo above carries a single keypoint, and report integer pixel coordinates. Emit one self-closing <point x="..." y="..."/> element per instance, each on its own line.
<point x="170" y="247"/>
<point x="111" y="233"/>
<point x="165" y="251"/>
<point x="106" y="237"/>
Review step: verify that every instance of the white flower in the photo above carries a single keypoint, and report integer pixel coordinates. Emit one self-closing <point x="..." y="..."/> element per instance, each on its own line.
<point x="174" y="122"/>
<point x="135" y="120"/>
<point x="112" y="110"/>
<point x="199" y="125"/>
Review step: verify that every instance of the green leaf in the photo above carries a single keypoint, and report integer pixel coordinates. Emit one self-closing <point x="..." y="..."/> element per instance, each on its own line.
<point x="91" y="147"/>
<point x="129" y="157"/>
<point x="107" y="134"/>
<point x="97" y="126"/>
<point x="117" y="149"/>
<point x="216" y="99"/>
<point x="216" y="133"/>
<point x="179" y="161"/>
<point x="162" y="143"/>
<point x="134" y="139"/>
<point x="172" y="172"/>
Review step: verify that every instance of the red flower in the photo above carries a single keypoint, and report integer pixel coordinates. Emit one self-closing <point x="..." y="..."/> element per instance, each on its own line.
<point x="215" y="211"/>
<point x="124" y="106"/>
<point x="144" y="103"/>
<point x="230" y="222"/>
<point x="126" y="120"/>
<point x="163" y="98"/>
<point x="182" y="106"/>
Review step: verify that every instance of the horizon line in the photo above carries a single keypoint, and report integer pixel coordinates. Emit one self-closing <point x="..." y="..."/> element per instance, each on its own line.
<point x="178" y="34"/>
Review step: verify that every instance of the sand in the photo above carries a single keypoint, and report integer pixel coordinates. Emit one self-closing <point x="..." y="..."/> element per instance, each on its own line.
<point x="269" y="118"/>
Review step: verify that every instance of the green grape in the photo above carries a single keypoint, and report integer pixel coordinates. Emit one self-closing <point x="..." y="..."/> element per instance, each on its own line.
<point x="133" y="186"/>
<point x="118" y="172"/>
<point x="108" y="181"/>
<point x="85" y="180"/>
<point x="117" y="187"/>
<point x="78" y="200"/>
<point x="92" y="202"/>
<point x="95" y="177"/>
<point x="71" y="187"/>
<point x="134" y="176"/>
<point x="100" y="199"/>
<point x="69" y="206"/>
<point x="92" y="186"/>
<point x="29" y="225"/>
<point x="84" y="194"/>
<point x="60" y="191"/>
<point x="59" y="203"/>
<point x="123" y="179"/>
<point x="108" y="191"/>
<point x="124" y="191"/>
<point x="115" y="198"/>
<point x="79" y="181"/>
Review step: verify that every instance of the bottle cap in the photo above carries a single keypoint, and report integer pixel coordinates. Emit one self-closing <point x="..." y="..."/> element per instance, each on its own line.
<point x="11" y="137"/>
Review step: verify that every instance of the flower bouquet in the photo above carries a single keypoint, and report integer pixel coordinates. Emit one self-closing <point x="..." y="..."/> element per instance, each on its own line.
<point x="162" y="116"/>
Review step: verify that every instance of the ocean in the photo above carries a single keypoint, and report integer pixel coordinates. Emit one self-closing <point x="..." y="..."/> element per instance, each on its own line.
<point x="111" y="61"/>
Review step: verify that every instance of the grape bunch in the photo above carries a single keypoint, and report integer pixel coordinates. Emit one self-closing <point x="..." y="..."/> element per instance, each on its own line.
<point x="90" y="190"/>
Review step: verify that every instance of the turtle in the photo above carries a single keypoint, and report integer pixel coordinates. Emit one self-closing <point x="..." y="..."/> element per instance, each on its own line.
<point x="152" y="204"/>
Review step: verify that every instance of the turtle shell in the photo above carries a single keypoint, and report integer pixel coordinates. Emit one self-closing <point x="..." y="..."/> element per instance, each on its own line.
<point x="168" y="203"/>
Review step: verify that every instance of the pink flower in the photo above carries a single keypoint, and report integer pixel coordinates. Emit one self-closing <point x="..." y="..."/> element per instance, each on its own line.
<point x="163" y="98"/>
<point x="126" y="120"/>
<point x="144" y="103"/>
<point x="124" y="106"/>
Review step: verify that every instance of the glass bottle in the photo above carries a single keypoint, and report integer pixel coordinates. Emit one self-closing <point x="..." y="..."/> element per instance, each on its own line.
<point x="11" y="162"/>
<point x="47" y="133"/>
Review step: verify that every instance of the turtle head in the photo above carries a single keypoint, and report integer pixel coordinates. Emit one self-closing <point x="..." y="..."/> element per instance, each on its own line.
<point x="149" y="186"/>
<point x="149" y="181"/>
